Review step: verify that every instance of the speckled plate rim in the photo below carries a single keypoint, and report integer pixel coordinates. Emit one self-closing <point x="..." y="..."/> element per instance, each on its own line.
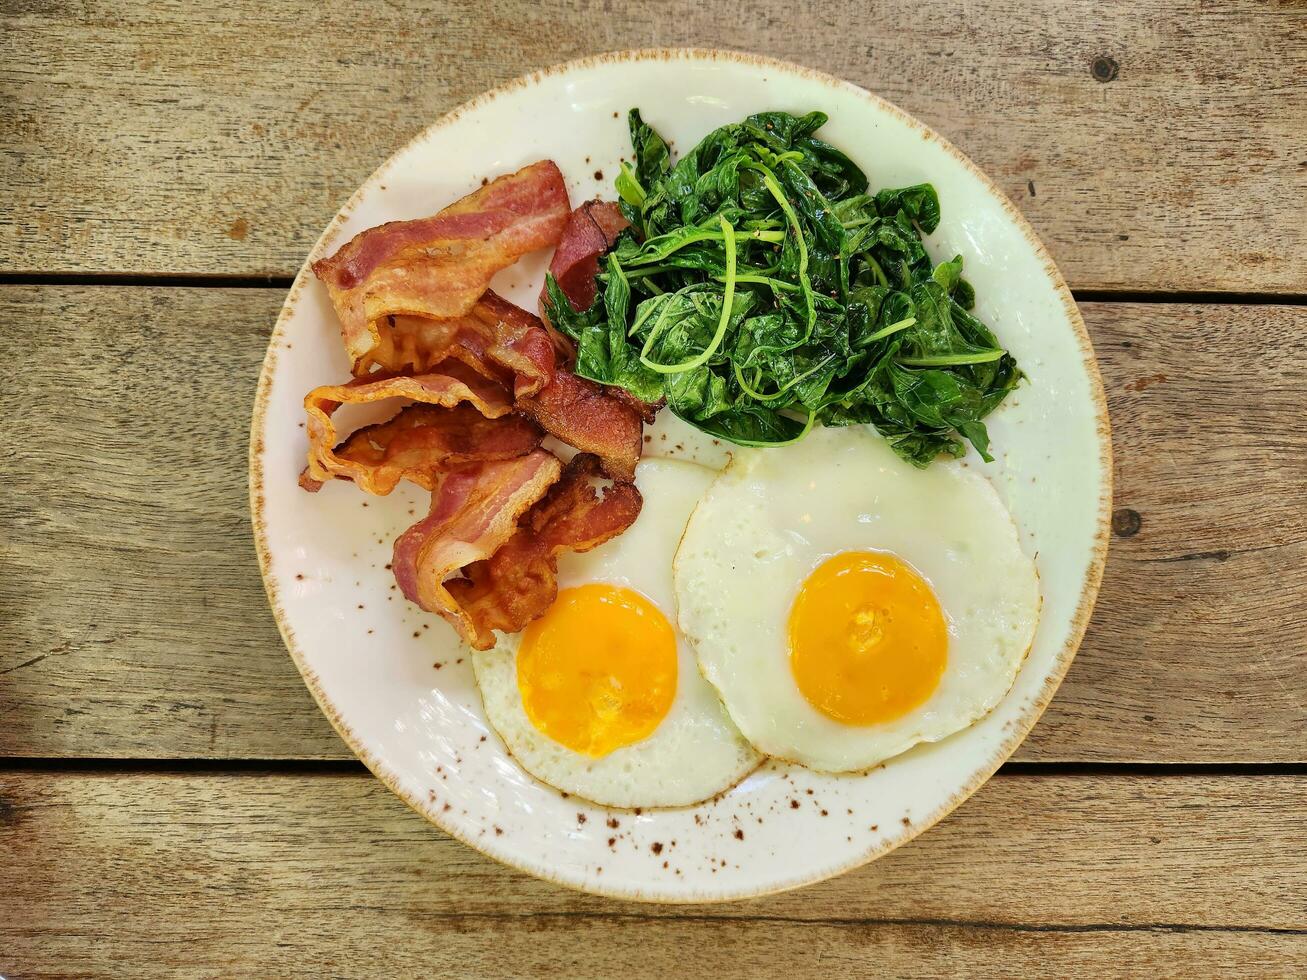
<point x="1089" y="588"/>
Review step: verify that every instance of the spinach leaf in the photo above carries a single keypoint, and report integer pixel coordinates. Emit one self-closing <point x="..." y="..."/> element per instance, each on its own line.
<point x="919" y="202"/>
<point x="754" y="425"/>
<point x="652" y="158"/>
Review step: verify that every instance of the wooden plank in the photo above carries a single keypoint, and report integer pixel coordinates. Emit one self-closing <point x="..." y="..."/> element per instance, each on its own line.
<point x="202" y="874"/>
<point x="135" y="618"/>
<point x="1199" y="632"/>
<point x="1155" y="145"/>
<point x="136" y="625"/>
<point x="602" y="948"/>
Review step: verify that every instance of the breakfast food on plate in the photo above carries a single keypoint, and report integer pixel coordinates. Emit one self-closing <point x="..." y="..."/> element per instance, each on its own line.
<point x="477" y="385"/>
<point x="421" y="442"/>
<point x="762" y="289"/>
<point x="590" y="418"/>
<point x="503" y="526"/>
<point x="601" y="697"/>
<point x="839" y="600"/>
<point x="439" y="267"/>
<point x="591" y="231"/>
<point x="450" y="387"/>
<point x="847" y="606"/>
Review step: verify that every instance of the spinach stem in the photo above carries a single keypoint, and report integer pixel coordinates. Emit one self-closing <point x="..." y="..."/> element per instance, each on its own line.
<point x="728" y="301"/>
<point x="892" y="328"/>
<point x="650" y="270"/>
<point x="875" y="267"/>
<point x="765" y="280"/>
<point x="759" y="276"/>
<point x="746" y="387"/>
<point x="760" y="396"/>
<point x="950" y="360"/>
<point x="769" y="181"/>
<point x="657" y="328"/>
<point x="654" y="252"/>
<point x="628" y="186"/>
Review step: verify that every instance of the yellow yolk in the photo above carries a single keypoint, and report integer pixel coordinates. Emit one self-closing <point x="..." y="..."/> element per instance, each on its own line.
<point x="598" y="670"/>
<point x="868" y="642"/>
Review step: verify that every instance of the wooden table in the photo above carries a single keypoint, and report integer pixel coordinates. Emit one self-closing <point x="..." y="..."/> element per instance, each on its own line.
<point x="171" y="801"/>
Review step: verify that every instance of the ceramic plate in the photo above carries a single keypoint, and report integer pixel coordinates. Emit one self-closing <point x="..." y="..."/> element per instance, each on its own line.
<point x="394" y="680"/>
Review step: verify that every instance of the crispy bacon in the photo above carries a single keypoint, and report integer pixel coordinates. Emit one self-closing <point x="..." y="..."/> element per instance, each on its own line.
<point x="420" y="323"/>
<point x="585" y="415"/>
<point x="591" y="230"/>
<point x="439" y="266"/>
<point x="519" y="582"/>
<point x="521" y="343"/>
<point x="474" y="510"/>
<point x="451" y="384"/>
<point x="422" y="441"/>
<point x="648" y="411"/>
<point x="496" y="338"/>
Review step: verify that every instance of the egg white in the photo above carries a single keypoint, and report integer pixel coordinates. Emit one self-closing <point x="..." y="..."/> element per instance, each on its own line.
<point x="774" y="515"/>
<point x="696" y="751"/>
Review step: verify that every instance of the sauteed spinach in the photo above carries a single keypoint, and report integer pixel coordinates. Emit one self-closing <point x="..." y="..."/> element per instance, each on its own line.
<point x="762" y="289"/>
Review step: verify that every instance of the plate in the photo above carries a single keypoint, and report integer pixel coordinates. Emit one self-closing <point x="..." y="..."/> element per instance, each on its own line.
<point x="393" y="679"/>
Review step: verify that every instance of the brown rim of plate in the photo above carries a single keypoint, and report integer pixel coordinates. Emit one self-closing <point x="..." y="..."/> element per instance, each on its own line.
<point x="1031" y="711"/>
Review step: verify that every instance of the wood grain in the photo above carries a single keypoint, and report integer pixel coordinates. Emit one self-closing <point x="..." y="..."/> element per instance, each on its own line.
<point x="136" y="624"/>
<point x="164" y="137"/>
<point x="187" y="875"/>
<point x="1196" y="649"/>
<point x="135" y="620"/>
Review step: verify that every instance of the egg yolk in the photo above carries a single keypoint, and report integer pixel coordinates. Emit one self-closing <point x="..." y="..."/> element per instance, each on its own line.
<point x="598" y="670"/>
<point x="868" y="642"/>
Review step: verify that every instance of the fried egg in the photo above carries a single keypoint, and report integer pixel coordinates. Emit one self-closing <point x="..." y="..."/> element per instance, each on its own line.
<point x="847" y="605"/>
<point x="602" y="697"/>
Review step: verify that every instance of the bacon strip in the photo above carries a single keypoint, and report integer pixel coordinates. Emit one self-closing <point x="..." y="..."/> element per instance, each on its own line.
<point x="521" y="343"/>
<point x="439" y="266"/>
<point x="519" y="582"/>
<point x="422" y="441"/>
<point x="451" y="384"/>
<point x="591" y="230"/>
<point x="497" y="338"/>
<point x="474" y="511"/>
<point x="584" y="414"/>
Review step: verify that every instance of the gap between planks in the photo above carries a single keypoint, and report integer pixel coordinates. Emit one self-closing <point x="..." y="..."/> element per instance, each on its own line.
<point x="183" y="766"/>
<point x="544" y="919"/>
<point x="270" y="281"/>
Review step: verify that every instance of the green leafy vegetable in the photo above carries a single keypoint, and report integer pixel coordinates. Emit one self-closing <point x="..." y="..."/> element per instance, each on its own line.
<point x="761" y="290"/>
